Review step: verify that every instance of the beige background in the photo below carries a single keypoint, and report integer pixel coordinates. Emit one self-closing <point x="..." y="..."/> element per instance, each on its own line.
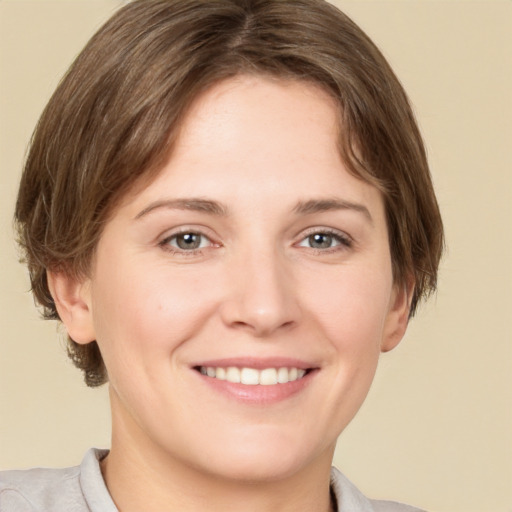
<point x="436" y="430"/>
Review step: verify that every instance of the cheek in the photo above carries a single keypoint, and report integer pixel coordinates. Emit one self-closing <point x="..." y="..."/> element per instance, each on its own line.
<point x="351" y="306"/>
<point x="147" y="310"/>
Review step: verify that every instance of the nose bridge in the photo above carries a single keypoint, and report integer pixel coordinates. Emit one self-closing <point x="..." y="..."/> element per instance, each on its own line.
<point x="263" y="293"/>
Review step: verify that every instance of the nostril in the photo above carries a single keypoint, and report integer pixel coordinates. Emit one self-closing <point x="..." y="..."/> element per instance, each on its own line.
<point x="261" y="314"/>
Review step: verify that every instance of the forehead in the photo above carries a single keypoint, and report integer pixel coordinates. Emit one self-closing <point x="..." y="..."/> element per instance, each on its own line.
<point x="254" y="109"/>
<point x="253" y="133"/>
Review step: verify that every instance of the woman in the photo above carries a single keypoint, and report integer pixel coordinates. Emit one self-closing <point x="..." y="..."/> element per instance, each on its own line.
<point x="228" y="205"/>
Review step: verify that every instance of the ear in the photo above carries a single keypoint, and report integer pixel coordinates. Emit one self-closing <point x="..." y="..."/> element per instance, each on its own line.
<point x="398" y="316"/>
<point x="73" y="303"/>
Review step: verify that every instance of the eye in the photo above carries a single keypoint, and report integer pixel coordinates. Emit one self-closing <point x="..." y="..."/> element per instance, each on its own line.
<point x="325" y="240"/>
<point x="187" y="241"/>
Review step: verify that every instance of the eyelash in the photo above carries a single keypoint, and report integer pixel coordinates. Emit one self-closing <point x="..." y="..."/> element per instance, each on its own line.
<point x="166" y="243"/>
<point x="343" y="241"/>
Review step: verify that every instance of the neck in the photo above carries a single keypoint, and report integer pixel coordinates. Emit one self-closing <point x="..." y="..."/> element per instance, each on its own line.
<point x="142" y="476"/>
<point x="133" y="491"/>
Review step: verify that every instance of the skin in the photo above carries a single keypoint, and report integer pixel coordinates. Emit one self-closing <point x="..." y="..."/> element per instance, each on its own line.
<point x="263" y="152"/>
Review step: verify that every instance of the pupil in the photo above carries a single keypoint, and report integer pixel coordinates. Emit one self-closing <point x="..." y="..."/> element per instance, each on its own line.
<point x="188" y="241"/>
<point x="320" y="241"/>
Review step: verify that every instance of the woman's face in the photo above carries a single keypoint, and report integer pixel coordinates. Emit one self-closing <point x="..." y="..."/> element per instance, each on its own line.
<point x="253" y="255"/>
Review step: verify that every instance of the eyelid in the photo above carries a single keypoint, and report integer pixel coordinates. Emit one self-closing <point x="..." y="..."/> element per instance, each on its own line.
<point x="182" y="230"/>
<point x="346" y="241"/>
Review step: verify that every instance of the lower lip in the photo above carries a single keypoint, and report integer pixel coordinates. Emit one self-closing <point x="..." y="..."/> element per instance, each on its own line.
<point x="258" y="394"/>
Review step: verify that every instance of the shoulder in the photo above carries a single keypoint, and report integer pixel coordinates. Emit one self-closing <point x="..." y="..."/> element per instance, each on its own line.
<point x="38" y="489"/>
<point x="350" y="498"/>
<point x="393" y="506"/>
<point x="44" y="489"/>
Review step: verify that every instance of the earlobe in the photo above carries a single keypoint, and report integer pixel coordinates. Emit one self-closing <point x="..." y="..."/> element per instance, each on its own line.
<point x="72" y="300"/>
<point x="398" y="316"/>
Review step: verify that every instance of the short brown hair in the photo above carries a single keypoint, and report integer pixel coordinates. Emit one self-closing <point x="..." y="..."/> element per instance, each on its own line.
<point x="112" y="121"/>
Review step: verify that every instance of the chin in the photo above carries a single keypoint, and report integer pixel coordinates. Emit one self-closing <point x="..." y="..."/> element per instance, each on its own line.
<point x="257" y="468"/>
<point x="264" y="459"/>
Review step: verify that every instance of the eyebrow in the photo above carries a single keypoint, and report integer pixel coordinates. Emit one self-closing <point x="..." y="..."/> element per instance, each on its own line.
<point x="192" y="204"/>
<point x="215" y="208"/>
<point x="325" y="205"/>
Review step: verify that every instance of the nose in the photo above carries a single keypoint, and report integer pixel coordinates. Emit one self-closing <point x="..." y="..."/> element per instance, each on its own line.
<point x="263" y="295"/>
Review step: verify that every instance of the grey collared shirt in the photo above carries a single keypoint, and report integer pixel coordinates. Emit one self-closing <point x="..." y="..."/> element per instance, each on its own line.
<point x="82" y="489"/>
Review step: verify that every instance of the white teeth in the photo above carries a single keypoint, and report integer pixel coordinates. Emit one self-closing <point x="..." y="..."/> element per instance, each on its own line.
<point x="233" y="375"/>
<point x="283" y="375"/>
<point x="268" y="377"/>
<point x="252" y="376"/>
<point x="249" y="376"/>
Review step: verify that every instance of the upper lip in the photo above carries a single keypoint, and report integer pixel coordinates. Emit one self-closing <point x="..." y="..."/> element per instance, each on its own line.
<point x="257" y="363"/>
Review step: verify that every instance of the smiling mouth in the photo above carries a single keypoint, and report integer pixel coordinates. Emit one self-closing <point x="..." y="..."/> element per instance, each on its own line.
<point x="253" y="376"/>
